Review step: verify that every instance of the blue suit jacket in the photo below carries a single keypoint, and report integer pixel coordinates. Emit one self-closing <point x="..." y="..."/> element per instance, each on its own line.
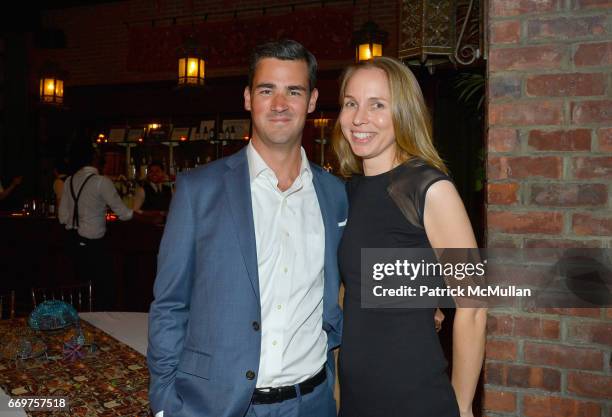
<point x="202" y="341"/>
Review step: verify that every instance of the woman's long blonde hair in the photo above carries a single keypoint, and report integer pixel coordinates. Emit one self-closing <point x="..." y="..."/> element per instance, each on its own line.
<point x="411" y="121"/>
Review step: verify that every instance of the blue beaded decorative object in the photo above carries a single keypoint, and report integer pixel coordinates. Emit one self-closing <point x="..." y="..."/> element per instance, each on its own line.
<point x="53" y="315"/>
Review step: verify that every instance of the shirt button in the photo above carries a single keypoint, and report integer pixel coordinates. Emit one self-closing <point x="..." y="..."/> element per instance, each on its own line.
<point x="285" y="270"/>
<point x="274" y="343"/>
<point x="250" y="375"/>
<point x="256" y="326"/>
<point x="278" y="307"/>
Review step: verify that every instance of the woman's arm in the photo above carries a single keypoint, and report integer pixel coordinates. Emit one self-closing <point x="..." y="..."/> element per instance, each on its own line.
<point x="448" y="226"/>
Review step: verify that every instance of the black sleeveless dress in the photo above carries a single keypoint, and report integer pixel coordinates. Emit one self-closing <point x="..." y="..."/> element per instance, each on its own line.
<point x="391" y="363"/>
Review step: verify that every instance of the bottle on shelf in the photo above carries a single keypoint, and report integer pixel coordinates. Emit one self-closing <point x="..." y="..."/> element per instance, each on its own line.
<point x="132" y="169"/>
<point x="144" y="168"/>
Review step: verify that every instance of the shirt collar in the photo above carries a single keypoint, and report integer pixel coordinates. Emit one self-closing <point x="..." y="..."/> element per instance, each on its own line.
<point x="257" y="165"/>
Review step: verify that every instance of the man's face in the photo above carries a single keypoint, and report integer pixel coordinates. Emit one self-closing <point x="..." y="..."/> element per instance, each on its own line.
<point x="279" y="102"/>
<point x="156" y="174"/>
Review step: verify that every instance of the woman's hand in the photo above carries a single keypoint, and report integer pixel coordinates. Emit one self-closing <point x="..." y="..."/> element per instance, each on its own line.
<point x="438" y="319"/>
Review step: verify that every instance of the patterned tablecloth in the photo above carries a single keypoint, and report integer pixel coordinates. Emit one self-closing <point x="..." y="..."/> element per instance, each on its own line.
<point x="111" y="381"/>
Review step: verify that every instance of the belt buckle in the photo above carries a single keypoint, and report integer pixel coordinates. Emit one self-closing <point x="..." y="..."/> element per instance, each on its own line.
<point x="273" y="395"/>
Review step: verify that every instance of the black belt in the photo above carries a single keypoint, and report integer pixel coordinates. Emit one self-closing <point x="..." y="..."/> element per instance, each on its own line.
<point x="277" y="395"/>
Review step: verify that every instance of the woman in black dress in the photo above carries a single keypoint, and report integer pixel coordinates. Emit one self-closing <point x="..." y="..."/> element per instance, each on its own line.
<point x="391" y="362"/>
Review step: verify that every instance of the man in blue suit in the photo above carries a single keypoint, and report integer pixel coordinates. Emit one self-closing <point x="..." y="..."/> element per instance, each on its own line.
<point x="246" y="312"/>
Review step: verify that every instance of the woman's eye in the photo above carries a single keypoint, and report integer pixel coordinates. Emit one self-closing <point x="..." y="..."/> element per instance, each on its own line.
<point x="349" y="104"/>
<point x="378" y="106"/>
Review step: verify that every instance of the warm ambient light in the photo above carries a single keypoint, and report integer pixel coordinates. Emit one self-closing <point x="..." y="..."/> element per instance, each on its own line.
<point x="191" y="64"/>
<point x="51" y="90"/>
<point x="368" y="51"/>
<point x="368" y="41"/>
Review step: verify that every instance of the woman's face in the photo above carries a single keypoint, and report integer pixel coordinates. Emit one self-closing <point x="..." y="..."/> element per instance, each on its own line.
<point x="366" y="121"/>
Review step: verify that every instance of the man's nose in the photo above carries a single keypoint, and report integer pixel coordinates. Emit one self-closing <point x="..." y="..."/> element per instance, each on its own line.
<point x="279" y="103"/>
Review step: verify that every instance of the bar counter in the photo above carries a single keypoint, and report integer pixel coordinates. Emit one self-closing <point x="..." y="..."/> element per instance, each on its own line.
<point x="34" y="254"/>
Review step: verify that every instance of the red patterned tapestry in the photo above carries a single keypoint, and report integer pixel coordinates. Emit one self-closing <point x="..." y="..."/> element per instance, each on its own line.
<point x="325" y="31"/>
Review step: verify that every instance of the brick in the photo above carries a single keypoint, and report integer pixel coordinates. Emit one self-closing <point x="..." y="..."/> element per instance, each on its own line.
<point x="563" y="356"/>
<point x="590" y="385"/>
<point x="575" y="312"/>
<point x="562" y="243"/>
<point x="499" y="401"/>
<point x="560" y="140"/>
<point x="536" y="327"/>
<point x="593" y="54"/>
<point x="592" y="167"/>
<point x="508" y="31"/>
<point x="597" y="111"/>
<point x="502" y="242"/>
<point x="503" y="139"/>
<point x="526" y="58"/>
<point x="504" y="87"/>
<point x="500" y="325"/>
<point x="609" y="313"/>
<point x="525" y="222"/>
<point x="514" y="271"/>
<point x="563" y="85"/>
<point x="569" y="195"/>
<point x="584" y="224"/>
<point x="502" y="193"/>
<point x="592" y="4"/>
<point x="502" y="8"/>
<point x="521" y="376"/>
<point x="604" y="139"/>
<point x="523" y="167"/>
<point x="600" y="333"/>
<point x="503" y="350"/>
<point x="526" y="113"/>
<point x="562" y="28"/>
<point x="540" y="406"/>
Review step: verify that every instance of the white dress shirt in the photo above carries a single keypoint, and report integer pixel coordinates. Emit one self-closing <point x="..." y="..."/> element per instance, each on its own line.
<point x="98" y="193"/>
<point x="290" y="240"/>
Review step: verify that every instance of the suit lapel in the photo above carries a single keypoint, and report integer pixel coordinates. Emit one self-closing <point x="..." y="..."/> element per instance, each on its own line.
<point x="324" y="203"/>
<point x="238" y="190"/>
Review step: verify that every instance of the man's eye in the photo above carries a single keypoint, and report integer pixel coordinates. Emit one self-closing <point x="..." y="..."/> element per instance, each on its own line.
<point x="295" y="93"/>
<point x="265" y="92"/>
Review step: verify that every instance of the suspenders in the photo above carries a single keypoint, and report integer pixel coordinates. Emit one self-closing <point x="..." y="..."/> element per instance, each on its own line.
<point x="75" y="197"/>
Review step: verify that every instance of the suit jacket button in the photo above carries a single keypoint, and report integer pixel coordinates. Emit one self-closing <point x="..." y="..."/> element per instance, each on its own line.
<point x="250" y="374"/>
<point x="256" y="326"/>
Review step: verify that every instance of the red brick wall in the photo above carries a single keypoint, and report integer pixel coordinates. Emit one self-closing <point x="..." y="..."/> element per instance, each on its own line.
<point x="97" y="38"/>
<point x="549" y="185"/>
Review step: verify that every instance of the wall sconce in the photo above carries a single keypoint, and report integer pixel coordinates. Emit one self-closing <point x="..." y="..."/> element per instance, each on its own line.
<point x="191" y="64"/>
<point x="51" y="82"/>
<point x="369" y="41"/>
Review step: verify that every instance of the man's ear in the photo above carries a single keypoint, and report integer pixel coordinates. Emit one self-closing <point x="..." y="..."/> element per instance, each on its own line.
<point x="312" y="102"/>
<point x="247" y="98"/>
